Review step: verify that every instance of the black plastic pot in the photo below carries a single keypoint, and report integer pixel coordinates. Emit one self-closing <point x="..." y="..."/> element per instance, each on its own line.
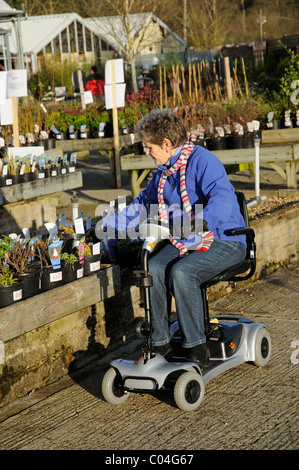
<point x="51" y="278"/>
<point x="64" y="169"/>
<point x="16" y="179"/>
<point x="39" y="175"/>
<point x="216" y="143"/>
<point x="248" y="140"/>
<point x="62" y="136"/>
<point x="73" y="272"/>
<point x="71" y="241"/>
<point x="11" y="294"/>
<point x="234" y="141"/>
<point x="55" y="171"/>
<point x="92" y="264"/>
<point x="31" y="283"/>
<point x="200" y="142"/>
<point x="27" y="177"/>
<point x="6" y="180"/>
<point x="74" y="135"/>
<point x="50" y="144"/>
<point x="138" y="148"/>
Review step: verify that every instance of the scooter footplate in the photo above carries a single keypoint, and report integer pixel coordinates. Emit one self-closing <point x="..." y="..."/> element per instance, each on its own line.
<point x="150" y="375"/>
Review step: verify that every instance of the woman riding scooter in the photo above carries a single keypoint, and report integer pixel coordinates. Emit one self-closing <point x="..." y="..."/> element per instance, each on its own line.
<point x="190" y="182"/>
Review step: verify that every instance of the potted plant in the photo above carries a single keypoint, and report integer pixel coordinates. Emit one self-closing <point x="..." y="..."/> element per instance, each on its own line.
<point x="94" y="119"/>
<point x="213" y="122"/>
<point x="52" y="274"/>
<point x="10" y="287"/>
<point x="26" y="265"/>
<point x="5" y="177"/>
<point x="92" y="258"/>
<point x="73" y="269"/>
<point x="70" y="238"/>
<point x="58" y="123"/>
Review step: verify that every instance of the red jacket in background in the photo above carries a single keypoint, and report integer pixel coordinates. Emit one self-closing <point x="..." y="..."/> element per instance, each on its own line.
<point x="95" y="84"/>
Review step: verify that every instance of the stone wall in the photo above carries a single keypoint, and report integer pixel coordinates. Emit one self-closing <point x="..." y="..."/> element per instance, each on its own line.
<point x="41" y="344"/>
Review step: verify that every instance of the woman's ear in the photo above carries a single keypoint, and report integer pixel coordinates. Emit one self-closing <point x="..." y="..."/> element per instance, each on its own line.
<point x="167" y="145"/>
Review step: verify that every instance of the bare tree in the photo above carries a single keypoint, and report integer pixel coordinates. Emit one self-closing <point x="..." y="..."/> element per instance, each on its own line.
<point x="210" y="23"/>
<point x="129" y="33"/>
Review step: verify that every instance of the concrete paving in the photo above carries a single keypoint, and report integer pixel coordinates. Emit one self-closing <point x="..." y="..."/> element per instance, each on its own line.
<point x="246" y="408"/>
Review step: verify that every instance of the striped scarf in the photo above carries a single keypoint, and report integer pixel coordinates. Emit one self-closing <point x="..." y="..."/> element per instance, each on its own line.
<point x="181" y="164"/>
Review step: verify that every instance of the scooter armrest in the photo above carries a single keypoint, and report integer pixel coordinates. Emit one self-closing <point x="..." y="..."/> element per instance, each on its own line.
<point x="248" y="231"/>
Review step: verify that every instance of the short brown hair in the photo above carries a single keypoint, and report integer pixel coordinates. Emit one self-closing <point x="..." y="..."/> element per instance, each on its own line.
<point x="162" y="124"/>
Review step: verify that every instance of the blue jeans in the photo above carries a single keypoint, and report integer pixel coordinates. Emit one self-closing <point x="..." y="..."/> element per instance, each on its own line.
<point x="182" y="277"/>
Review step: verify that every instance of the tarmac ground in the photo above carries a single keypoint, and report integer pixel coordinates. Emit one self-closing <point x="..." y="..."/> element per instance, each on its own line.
<point x="245" y="408"/>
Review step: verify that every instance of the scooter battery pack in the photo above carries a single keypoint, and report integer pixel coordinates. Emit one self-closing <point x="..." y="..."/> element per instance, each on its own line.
<point x="224" y="340"/>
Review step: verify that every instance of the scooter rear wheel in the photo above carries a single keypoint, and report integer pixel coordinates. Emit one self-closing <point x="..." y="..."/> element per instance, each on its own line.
<point x="189" y="391"/>
<point x="112" y="389"/>
<point x="263" y="347"/>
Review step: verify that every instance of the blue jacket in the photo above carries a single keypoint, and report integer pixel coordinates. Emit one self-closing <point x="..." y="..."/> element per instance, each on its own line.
<point x="207" y="185"/>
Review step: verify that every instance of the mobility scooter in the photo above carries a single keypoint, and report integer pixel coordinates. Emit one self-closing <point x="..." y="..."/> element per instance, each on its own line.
<point x="231" y="340"/>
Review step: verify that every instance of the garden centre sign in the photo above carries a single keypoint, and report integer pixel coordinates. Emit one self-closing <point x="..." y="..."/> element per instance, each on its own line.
<point x="13" y="85"/>
<point x="115" y="98"/>
<point x="114" y="83"/>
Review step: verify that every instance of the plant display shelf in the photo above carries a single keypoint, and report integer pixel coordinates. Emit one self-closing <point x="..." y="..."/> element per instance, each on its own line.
<point x="46" y="307"/>
<point x="38" y="188"/>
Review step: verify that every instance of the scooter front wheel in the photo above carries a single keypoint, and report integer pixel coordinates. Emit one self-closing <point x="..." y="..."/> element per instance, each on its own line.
<point x="189" y="391"/>
<point x="112" y="389"/>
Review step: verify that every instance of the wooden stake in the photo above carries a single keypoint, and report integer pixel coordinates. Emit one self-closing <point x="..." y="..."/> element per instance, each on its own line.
<point x="161" y="89"/>
<point x="115" y="128"/>
<point x="245" y="79"/>
<point x="174" y="86"/>
<point x="195" y="83"/>
<point x="81" y="88"/>
<point x="199" y="80"/>
<point x="183" y="78"/>
<point x="227" y="78"/>
<point x="15" y="121"/>
<point x="165" y="88"/>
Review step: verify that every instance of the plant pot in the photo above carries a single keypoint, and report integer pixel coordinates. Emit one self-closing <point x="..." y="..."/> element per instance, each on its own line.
<point x="138" y="148"/>
<point x="216" y="143"/>
<point x="74" y="135"/>
<point x="288" y="124"/>
<point x="92" y="264"/>
<point x="11" y="294"/>
<point x="64" y="169"/>
<point x="51" y="278"/>
<point x="50" y="144"/>
<point x="71" y="241"/>
<point x="16" y="179"/>
<point x="55" y="171"/>
<point x="39" y="175"/>
<point x="277" y="124"/>
<point x="62" y="136"/>
<point x="73" y="272"/>
<point x="26" y="177"/>
<point x="5" y="180"/>
<point x="200" y="142"/>
<point x="85" y="135"/>
<point x="234" y="141"/>
<point x="31" y="283"/>
<point x="96" y="134"/>
<point x="248" y="140"/>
